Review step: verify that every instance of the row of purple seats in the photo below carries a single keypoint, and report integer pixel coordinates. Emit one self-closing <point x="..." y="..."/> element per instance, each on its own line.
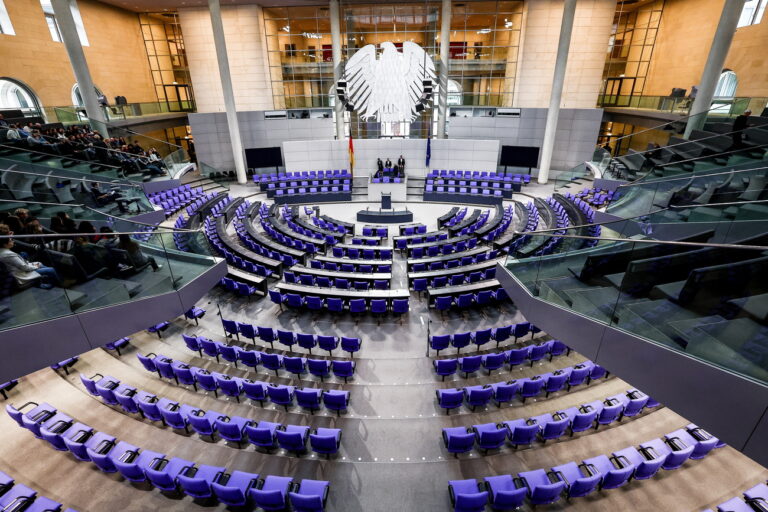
<point x="15" y="496"/>
<point x="281" y="395"/>
<point x="485" y="175"/>
<point x="547" y="426"/>
<point x="413" y="229"/>
<point x="493" y="185"/>
<point x="234" y="429"/>
<point x="589" y="214"/>
<point x="402" y="244"/>
<point x="453" y="263"/>
<point x="290" y="338"/>
<point x="308" y="183"/>
<point x="480" y="222"/>
<point x="297" y="366"/>
<point x="200" y="201"/>
<point x="496" y="361"/>
<point x="368" y="241"/>
<point x="502" y="227"/>
<point x="466" y="300"/>
<point x="751" y="500"/>
<point x="303" y="191"/>
<point x="443" y="249"/>
<point x="175" y="199"/>
<point x="365" y="254"/>
<point x="350" y="267"/>
<point x="458" y="341"/>
<point x="168" y="474"/>
<point x="529" y="387"/>
<point x="421" y="284"/>
<point x="456" y="218"/>
<point x="292" y="175"/>
<point x="232" y="258"/>
<point x="387" y="179"/>
<point x="380" y="231"/>
<point x="532" y="223"/>
<point x="288" y="241"/>
<point x="336" y="305"/>
<point x="238" y="288"/>
<point x="261" y="249"/>
<point x="327" y="282"/>
<point x="573" y="480"/>
<point x="317" y="221"/>
<point x="463" y="190"/>
<point x="330" y="240"/>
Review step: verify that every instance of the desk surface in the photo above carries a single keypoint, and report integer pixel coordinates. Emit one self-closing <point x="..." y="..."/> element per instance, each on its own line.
<point x="272" y="244"/>
<point x="341" y="293"/>
<point x="463" y="288"/>
<point x="351" y="276"/>
<point x="361" y="247"/>
<point x="454" y="240"/>
<point x="331" y="259"/>
<point x="234" y="246"/>
<point x="466" y="269"/>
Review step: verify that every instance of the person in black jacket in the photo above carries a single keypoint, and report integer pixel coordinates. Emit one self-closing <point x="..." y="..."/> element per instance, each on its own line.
<point x="401" y="166"/>
<point x="739" y="125"/>
<point x="379" y="167"/>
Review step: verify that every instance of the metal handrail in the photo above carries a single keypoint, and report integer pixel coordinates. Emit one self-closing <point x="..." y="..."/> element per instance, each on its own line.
<point x="27" y="150"/>
<point x="71" y="205"/>
<point x="644" y="240"/>
<point x="76" y="178"/>
<point x="692" y="176"/>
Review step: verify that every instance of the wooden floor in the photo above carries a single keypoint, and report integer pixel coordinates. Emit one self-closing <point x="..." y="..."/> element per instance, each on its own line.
<point x="392" y="455"/>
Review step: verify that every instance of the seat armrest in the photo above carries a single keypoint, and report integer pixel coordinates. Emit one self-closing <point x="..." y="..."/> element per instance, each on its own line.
<point x="589" y="469"/>
<point x="676" y="443"/>
<point x="648" y="452"/>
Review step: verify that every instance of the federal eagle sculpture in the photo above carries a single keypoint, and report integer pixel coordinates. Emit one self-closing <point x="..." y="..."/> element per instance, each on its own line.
<point x="390" y="87"/>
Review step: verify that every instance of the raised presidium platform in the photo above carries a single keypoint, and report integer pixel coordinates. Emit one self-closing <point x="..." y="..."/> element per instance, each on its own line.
<point x="385" y="216"/>
<point x="395" y="186"/>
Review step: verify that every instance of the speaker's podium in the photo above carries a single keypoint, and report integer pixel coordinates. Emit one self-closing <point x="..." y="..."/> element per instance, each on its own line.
<point x="385" y="214"/>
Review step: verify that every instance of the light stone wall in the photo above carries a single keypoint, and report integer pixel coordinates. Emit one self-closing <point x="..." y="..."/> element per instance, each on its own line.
<point x="588" y="50"/>
<point x="246" y="48"/>
<point x="116" y="55"/>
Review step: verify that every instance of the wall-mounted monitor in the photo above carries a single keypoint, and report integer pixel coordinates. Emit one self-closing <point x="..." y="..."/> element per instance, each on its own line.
<point x="263" y="157"/>
<point x="519" y="156"/>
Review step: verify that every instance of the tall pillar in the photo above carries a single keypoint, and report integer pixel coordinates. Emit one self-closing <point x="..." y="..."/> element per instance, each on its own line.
<point x="71" y="40"/>
<point x="336" y="53"/>
<point x="445" y="46"/>
<point x="721" y="43"/>
<point x="222" y="58"/>
<point x="561" y="62"/>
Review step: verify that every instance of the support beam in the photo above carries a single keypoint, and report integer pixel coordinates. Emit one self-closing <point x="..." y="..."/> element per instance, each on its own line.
<point x="336" y="53"/>
<point x="71" y="39"/>
<point x="721" y="43"/>
<point x="445" y="46"/>
<point x="222" y="58"/>
<point x="555" y="97"/>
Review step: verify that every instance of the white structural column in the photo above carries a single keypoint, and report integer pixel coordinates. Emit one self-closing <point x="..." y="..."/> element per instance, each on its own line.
<point x="721" y="43"/>
<point x="71" y="39"/>
<point x="445" y="43"/>
<point x="563" y="45"/>
<point x="220" y="43"/>
<point x="336" y="54"/>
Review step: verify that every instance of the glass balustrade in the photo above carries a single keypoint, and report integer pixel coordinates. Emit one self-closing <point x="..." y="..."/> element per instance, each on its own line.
<point x="92" y="271"/>
<point x="594" y="168"/>
<point x="706" y="297"/>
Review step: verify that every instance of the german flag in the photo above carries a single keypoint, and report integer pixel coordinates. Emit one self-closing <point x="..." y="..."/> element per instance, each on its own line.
<point x="351" y="157"/>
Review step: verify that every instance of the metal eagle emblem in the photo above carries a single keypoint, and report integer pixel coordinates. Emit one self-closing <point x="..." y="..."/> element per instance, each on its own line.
<point x="388" y="88"/>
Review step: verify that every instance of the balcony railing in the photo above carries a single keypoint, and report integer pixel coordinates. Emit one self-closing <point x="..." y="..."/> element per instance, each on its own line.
<point x="682" y="106"/>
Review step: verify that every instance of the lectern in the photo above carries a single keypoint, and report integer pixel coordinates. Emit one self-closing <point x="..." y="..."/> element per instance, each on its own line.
<point x="386" y="201"/>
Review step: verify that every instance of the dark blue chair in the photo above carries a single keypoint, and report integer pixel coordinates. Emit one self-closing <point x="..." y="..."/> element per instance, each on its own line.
<point x="357" y="306"/>
<point x="506" y="493"/>
<point x="309" y="398"/>
<point x="164" y="473"/>
<point x="449" y="399"/>
<point x="197" y="481"/>
<point x="489" y="436"/>
<point x="292" y="438"/>
<point x="467" y="496"/>
<point x="336" y="400"/>
<point x="614" y="472"/>
<point x="271" y="493"/>
<point x="478" y="396"/>
<point x="461" y="340"/>
<point x="325" y="441"/>
<point x="578" y="479"/>
<point x="445" y="367"/>
<point x="310" y="496"/>
<point x="541" y="491"/>
<point x="470" y="364"/>
<point x="281" y="395"/>
<point x="343" y="369"/>
<point x="262" y="434"/>
<point x="493" y="361"/>
<point x="458" y="440"/>
<point x="351" y="345"/>
<point x="232" y="489"/>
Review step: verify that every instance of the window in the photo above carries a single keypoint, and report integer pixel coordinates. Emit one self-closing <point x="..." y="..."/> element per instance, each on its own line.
<point x="752" y="12"/>
<point x="726" y="85"/>
<point x="77" y="98"/>
<point x="5" y="21"/>
<point x="14" y="95"/>
<point x="53" y="24"/>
